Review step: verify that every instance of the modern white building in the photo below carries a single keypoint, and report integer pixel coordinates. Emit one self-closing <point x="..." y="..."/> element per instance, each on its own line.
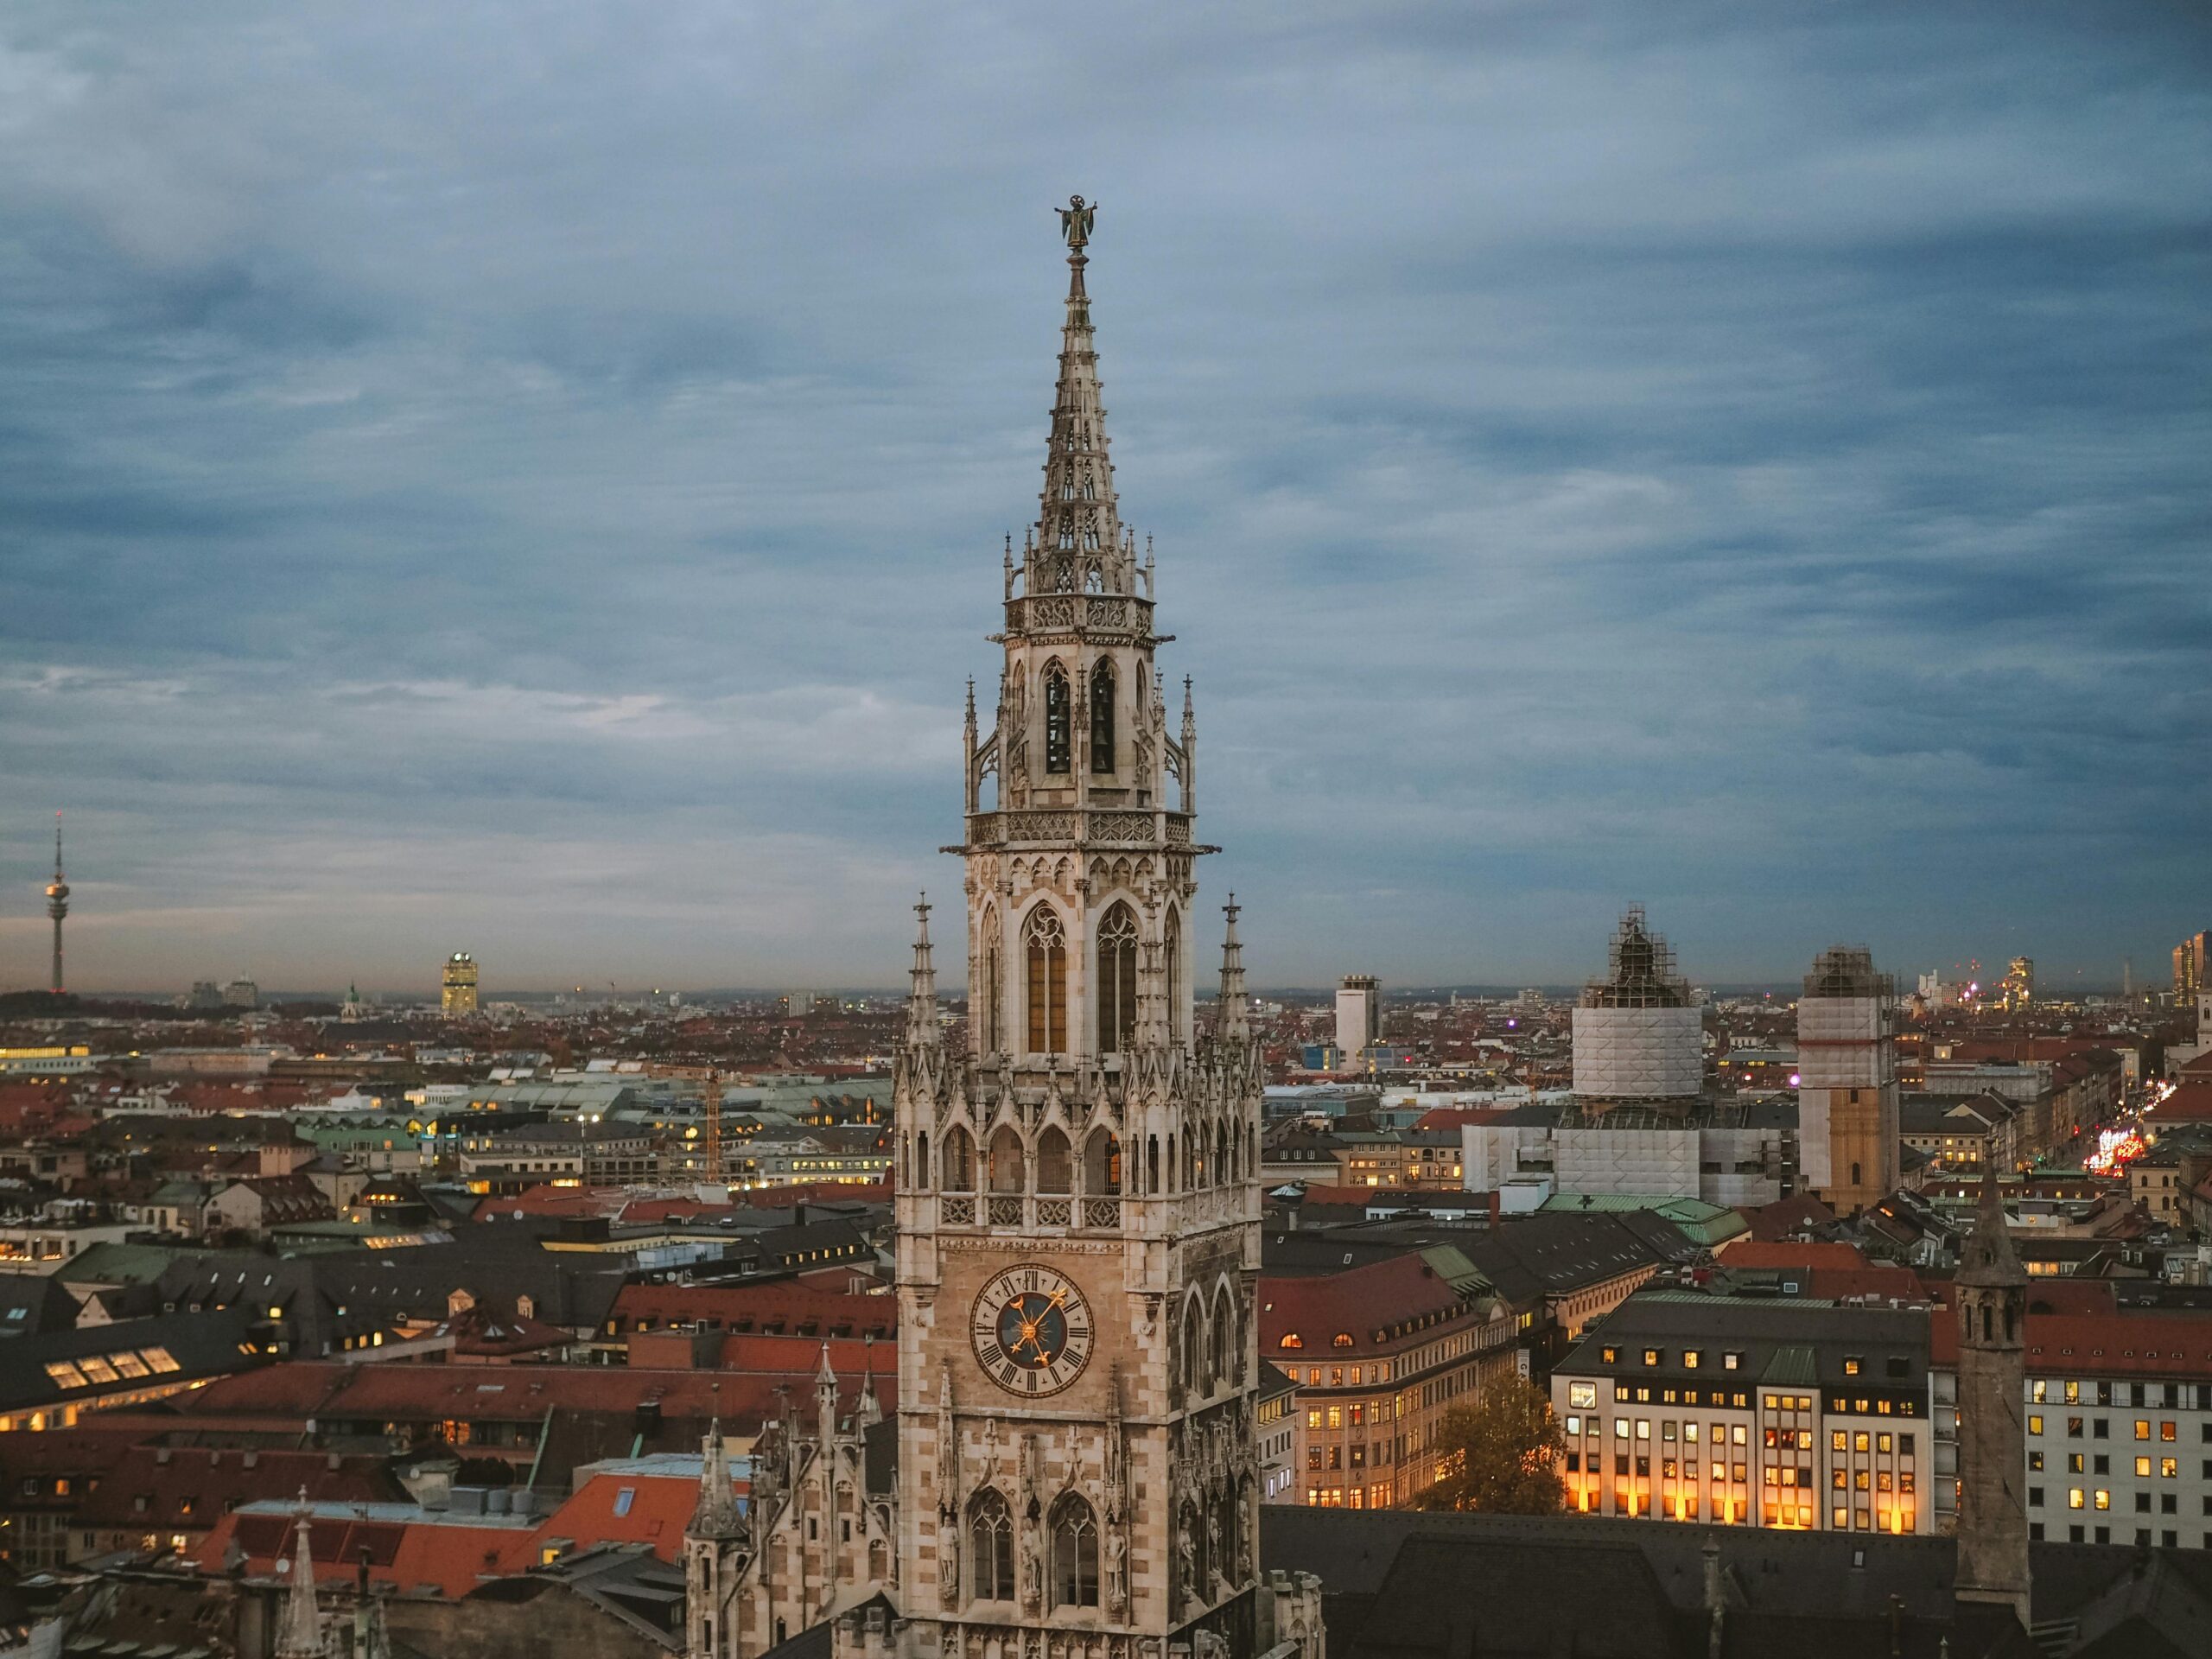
<point x="1359" y="1013"/>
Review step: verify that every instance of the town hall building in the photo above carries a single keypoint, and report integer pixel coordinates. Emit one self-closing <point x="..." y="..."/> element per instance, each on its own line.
<point x="1076" y="1472"/>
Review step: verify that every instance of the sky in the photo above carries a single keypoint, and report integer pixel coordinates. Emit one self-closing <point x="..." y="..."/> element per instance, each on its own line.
<point x="529" y="479"/>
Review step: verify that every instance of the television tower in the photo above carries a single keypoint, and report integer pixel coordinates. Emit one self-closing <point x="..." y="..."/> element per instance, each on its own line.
<point x="57" y="902"/>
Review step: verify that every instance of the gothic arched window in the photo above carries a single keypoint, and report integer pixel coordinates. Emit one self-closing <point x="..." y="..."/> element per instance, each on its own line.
<point x="1056" y="720"/>
<point x="990" y="1548"/>
<point x="1118" y="980"/>
<point x="1102" y="717"/>
<point x="1075" y="1553"/>
<point x="1048" y="983"/>
<point x="1227" y="1348"/>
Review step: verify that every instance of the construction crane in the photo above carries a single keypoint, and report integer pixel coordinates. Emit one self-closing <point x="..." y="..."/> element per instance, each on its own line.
<point x="715" y="1126"/>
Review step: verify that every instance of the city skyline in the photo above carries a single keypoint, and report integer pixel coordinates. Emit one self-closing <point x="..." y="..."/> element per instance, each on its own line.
<point x="1812" y="561"/>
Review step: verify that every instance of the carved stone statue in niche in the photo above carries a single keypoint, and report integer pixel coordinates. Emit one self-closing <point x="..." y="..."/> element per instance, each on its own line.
<point x="1117" y="1569"/>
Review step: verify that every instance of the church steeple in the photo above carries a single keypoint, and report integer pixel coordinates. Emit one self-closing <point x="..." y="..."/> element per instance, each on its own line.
<point x="1991" y="1288"/>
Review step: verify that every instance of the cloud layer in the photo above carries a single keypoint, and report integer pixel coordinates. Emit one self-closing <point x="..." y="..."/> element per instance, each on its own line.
<point x="529" y="479"/>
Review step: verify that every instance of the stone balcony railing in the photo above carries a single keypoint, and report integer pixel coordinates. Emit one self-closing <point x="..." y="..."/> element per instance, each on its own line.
<point x="1054" y="826"/>
<point x="1031" y="1212"/>
<point x="1088" y="613"/>
<point x="1046" y="1213"/>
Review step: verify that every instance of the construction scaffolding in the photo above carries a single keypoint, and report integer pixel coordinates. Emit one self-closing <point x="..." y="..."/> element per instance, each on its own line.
<point x="1640" y="970"/>
<point x="1848" y="970"/>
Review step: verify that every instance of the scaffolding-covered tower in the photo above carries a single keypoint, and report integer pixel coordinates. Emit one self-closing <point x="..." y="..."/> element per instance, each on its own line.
<point x="1639" y="1032"/>
<point x="1848" y="1134"/>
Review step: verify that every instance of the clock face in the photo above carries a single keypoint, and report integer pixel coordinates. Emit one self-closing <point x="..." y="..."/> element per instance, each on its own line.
<point x="1032" y="1330"/>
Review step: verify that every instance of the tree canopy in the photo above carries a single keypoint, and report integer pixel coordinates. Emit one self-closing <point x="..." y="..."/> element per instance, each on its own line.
<point x="1500" y="1454"/>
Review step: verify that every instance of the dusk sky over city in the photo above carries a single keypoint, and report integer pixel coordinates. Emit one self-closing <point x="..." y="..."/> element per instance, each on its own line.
<point x="531" y="479"/>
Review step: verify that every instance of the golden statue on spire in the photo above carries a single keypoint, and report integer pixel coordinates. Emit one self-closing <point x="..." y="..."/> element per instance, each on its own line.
<point x="1075" y="221"/>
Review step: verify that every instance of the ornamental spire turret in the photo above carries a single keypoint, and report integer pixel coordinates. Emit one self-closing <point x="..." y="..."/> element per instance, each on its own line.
<point x="57" y="903"/>
<point x="301" y="1635"/>
<point x="716" y="1515"/>
<point x="1078" y="529"/>
<point x="825" y="1401"/>
<point x="921" y="997"/>
<point x="1233" y="1029"/>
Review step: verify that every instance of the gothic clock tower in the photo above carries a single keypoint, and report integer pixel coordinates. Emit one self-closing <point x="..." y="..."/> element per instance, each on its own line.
<point x="1078" y="1196"/>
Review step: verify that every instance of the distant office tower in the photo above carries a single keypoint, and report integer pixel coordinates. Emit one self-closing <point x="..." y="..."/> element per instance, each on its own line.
<point x="1638" y="1033"/>
<point x="2190" y="965"/>
<point x="1848" y="1125"/>
<point x="241" y="993"/>
<point x="459" y="998"/>
<point x="798" y="1004"/>
<point x="2017" y="988"/>
<point x="57" y="903"/>
<point x="205" y="993"/>
<point x="1359" y="1013"/>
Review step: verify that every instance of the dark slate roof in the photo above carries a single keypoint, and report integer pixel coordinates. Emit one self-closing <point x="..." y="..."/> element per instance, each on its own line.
<point x="1801" y="1341"/>
<point x="1506" y="1584"/>
<point x="32" y="1303"/>
<point x="202" y="1347"/>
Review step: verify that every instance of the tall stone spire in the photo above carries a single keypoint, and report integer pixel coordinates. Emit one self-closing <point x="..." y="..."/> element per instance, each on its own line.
<point x="301" y="1635"/>
<point x="716" y="1515"/>
<point x="1232" y="1029"/>
<point x="1991" y="1288"/>
<point x="921" y="996"/>
<point x="57" y="903"/>
<point x="1078" y="543"/>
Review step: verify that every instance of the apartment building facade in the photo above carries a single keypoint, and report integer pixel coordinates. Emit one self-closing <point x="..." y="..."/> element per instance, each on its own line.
<point x="1811" y="1416"/>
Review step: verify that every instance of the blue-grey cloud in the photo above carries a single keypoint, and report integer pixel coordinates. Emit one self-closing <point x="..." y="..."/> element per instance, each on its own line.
<point x="532" y="480"/>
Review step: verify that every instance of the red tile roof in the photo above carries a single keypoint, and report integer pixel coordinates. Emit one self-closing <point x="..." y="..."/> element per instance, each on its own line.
<point x="189" y="1486"/>
<point x="1793" y="1252"/>
<point x="2177" y="1345"/>
<point x="1343" y="1313"/>
<point x="286" y="1395"/>
<point x="792" y="1309"/>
